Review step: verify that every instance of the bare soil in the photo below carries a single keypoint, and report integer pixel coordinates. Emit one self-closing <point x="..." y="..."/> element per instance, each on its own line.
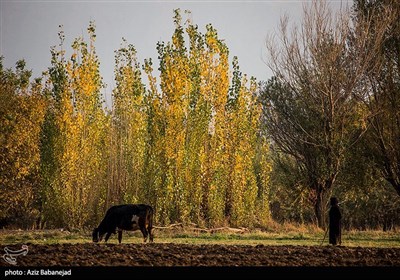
<point x="170" y="254"/>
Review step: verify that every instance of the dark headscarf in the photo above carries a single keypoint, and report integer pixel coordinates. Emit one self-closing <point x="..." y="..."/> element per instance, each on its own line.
<point x="334" y="201"/>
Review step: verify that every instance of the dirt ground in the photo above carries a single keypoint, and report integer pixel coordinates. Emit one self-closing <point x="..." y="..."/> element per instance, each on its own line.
<point x="169" y="254"/>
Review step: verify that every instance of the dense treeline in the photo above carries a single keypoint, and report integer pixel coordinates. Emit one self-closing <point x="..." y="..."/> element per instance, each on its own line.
<point x="188" y="143"/>
<point x="202" y="143"/>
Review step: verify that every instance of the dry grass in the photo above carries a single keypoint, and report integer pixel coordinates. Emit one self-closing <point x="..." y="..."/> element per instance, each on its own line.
<point x="276" y="234"/>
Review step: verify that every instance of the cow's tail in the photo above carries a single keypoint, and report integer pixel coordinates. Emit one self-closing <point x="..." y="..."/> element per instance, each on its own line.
<point x="149" y="218"/>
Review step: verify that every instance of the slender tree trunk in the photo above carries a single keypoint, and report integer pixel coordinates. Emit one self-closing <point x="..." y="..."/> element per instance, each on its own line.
<point x="319" y="207"/>
<point x="320" y="203"/>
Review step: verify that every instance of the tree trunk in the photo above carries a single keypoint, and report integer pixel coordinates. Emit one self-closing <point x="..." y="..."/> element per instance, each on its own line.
<point x="320" y="206"/>
<point x="394" y="183"/>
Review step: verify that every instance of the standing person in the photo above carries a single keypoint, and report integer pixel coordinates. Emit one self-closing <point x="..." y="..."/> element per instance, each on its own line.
<point x="335" y="223"/>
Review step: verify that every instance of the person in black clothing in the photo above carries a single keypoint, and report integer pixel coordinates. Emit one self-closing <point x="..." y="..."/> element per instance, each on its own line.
<point x="335" y="227"/>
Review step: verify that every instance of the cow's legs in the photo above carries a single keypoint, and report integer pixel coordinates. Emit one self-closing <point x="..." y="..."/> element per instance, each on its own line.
<point x="142" y="226"/>
<point x="107" y="236"/>
<point x="119" y="236"/>
<point x="149" y="228"/>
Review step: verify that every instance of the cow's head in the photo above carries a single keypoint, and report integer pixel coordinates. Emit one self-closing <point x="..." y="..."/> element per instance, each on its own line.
<point x="97" y="235"/>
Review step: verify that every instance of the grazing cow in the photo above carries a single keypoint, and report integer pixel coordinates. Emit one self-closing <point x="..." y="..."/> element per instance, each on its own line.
<point x="125" y="217"/>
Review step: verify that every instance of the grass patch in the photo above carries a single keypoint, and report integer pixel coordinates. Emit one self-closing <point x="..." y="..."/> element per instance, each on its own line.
<point x="256" y="237"/>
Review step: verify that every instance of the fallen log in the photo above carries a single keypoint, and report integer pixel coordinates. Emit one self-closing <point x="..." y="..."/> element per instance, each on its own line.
<point x="235" y="230"/>
<point x="202" y="230"/>
<point x="171" y="226"/>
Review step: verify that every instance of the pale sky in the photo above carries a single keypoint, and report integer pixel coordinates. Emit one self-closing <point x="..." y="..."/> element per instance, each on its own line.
<point x="29" y="28"/>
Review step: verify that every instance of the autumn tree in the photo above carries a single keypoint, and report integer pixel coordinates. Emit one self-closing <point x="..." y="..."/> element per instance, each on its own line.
<point x="56" y="80"/>
<point x="128" y="130"/>
<point x="381" y="94"/>
<point x="188" y="143"/>
<point x="205" y="131"/>
<point x="22" y="111"/>
<point x="309" y="106"/>
<point x="246" y="192"/>
<point x="155" y="160"/>
<point x="74" y="190"/>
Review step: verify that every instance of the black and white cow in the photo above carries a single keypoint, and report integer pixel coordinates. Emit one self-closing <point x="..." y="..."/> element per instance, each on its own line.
<point x="125" y="217"/>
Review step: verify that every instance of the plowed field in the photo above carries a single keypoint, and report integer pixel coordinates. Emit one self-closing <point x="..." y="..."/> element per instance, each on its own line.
<point x="170" y="254"/>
